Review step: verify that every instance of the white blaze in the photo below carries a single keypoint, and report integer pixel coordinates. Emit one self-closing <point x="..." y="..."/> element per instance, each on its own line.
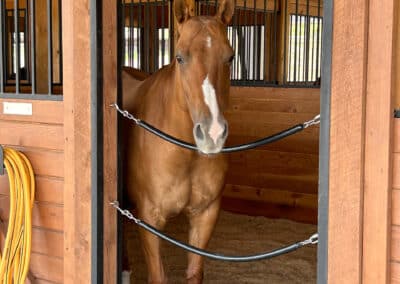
<point x="210" y="99"/>
<point x="209" y="42"/>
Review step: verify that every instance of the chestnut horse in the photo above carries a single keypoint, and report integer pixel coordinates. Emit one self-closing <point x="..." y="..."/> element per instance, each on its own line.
<point x="186" y="99"/>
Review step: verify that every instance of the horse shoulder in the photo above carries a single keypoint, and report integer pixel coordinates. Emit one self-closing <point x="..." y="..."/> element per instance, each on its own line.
<point x="132" y="79"/>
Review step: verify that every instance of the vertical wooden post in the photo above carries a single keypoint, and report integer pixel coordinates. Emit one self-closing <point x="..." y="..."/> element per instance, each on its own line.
<point x="41" y="46"/>
<point x="378" y="143"/>
<point x="348" y="84"/>
<point x="110" y="83"/>
<point x="77" y="161"/>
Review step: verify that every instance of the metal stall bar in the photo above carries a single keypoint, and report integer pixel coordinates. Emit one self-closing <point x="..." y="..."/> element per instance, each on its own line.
<point x="140" y="38"/>
<point x="274" y="52"/>
<point x="312" y="39"/>
<point x="50" y="46"/>
<point x="296" y="28"/>
<point x="17" y="47"/>
<point x="285" y="33"/>
<point x="26" y="41"/>
<point x="323" y="188"/>
<point x="123" y="37"/>
<point x="33" y="45"/>
<point x="1" y="47"/>
<point x="155" y="36"/>
<point x="307" y="41"/>
<point x="266" y="47"/>
<point x="147" y="35"/>
<point x="253" y="35"/>
<point x="131" y="35"/>
<point x="233" y="36"/>
<point x="96" y="121"/>
<point x="162" y="33"/>
<point x="317" y="68"/>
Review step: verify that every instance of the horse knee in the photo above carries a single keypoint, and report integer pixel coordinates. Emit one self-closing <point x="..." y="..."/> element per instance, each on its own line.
<point x="194" y="276"/>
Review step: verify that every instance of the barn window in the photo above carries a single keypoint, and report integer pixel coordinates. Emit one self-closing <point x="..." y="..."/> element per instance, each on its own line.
<point x="304" y="57"/>
<point x="146" y="34"/>
<point x="276" y="43"/>
<point x="31" y="49"/>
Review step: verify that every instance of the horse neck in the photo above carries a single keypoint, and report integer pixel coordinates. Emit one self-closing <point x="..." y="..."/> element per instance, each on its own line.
<point x="166" y="105"/>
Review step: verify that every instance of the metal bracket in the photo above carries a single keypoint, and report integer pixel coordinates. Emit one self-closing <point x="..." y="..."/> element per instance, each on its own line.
<point x="1" y="161"/>
<point x="397" y="113"/>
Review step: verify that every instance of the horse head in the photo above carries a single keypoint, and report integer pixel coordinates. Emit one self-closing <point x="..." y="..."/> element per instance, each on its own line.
<point x="203" y="59"/>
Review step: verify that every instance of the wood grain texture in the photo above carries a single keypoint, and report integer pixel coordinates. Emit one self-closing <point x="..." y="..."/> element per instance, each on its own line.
<point x="32" y="135"/>
<point x="40" y="265"/>
<point x="268" y="195"/>
<point x="378" y="143"/>
<point x="395" y="243"/>
<point x="110" y="140"/>
<point x="48" y="242"/>
<point x="348" y="81"/>
<point x="395" y="272"/>
<point x="289" y="165"/>
<point x="396" y="170"/>
<point x="48" y="189"/>
<point x="396" y="139"/>
<point x="49" y="112"/>
<point x="44" y="241"/>
<point x="396" y="207"/>
<point x="46" y="216"/>
<point x="44" y="162"/>
<point x="40" y="137"/>
<point x="297" y="184"/>
<point x="270" y="210"/>
<point x="77" y="162"/>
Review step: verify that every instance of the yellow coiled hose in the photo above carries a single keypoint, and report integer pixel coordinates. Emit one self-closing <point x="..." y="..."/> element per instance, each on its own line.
<point x="15" y="257"/>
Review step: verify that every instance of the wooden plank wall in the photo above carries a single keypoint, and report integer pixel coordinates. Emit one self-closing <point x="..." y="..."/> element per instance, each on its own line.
<point x="395" y="237"/>
<point x="279" y="179"/>
<point x="40" y="137"/>
<point x="395" y="243"/>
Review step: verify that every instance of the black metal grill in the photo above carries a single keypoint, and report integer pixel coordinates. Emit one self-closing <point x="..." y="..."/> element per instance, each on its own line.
<point x="276" y="42"/>
<point x="31" y="49"/>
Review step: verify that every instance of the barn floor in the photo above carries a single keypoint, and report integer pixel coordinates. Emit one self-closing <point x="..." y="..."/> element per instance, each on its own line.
<point x="236" y="234"/>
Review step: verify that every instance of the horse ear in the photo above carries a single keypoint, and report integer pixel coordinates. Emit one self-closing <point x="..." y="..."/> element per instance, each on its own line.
<point x="183" y="9"/>
<point x="225" y="11"/>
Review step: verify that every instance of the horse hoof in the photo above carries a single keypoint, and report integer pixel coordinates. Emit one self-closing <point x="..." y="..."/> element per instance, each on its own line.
<point x="126" y="277"/>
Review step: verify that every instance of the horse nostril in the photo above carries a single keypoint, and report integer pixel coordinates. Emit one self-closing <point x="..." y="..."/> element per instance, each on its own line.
<point x="199" y="132"/>
<point x="225" y="133"/>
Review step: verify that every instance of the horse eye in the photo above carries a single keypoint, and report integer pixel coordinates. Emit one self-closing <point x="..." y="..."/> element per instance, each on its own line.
<point x="180" y="60"/>
<point x="231" y="59"/>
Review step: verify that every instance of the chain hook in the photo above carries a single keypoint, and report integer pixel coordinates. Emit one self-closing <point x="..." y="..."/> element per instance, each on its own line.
<point x="125" y="113"/>
<point x="314" y="121"/>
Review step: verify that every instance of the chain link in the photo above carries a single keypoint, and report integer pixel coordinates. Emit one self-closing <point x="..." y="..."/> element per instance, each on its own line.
<point x="125" y="113"/>
<point x="311" y="240"/>
<point x="316" y="120"/>
<point x="125" y="212"/>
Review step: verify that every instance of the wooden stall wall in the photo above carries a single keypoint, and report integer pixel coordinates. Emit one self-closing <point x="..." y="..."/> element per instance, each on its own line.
<point x="279" y="179"/>
<point x="40" y="137"/>
<point x="395" y="237"/>
<point x="395" y="257"/>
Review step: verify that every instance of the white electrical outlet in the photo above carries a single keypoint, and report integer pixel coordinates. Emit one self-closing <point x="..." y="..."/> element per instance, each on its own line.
<point x="17" y="108"/>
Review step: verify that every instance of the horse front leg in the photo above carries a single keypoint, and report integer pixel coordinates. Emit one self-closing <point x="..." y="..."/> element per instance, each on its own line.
<point x="151" y="248"/>
<point x="201" y="227"/>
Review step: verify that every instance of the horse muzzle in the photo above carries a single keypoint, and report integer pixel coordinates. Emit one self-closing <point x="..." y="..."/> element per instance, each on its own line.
<point x="210" y="137"/>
